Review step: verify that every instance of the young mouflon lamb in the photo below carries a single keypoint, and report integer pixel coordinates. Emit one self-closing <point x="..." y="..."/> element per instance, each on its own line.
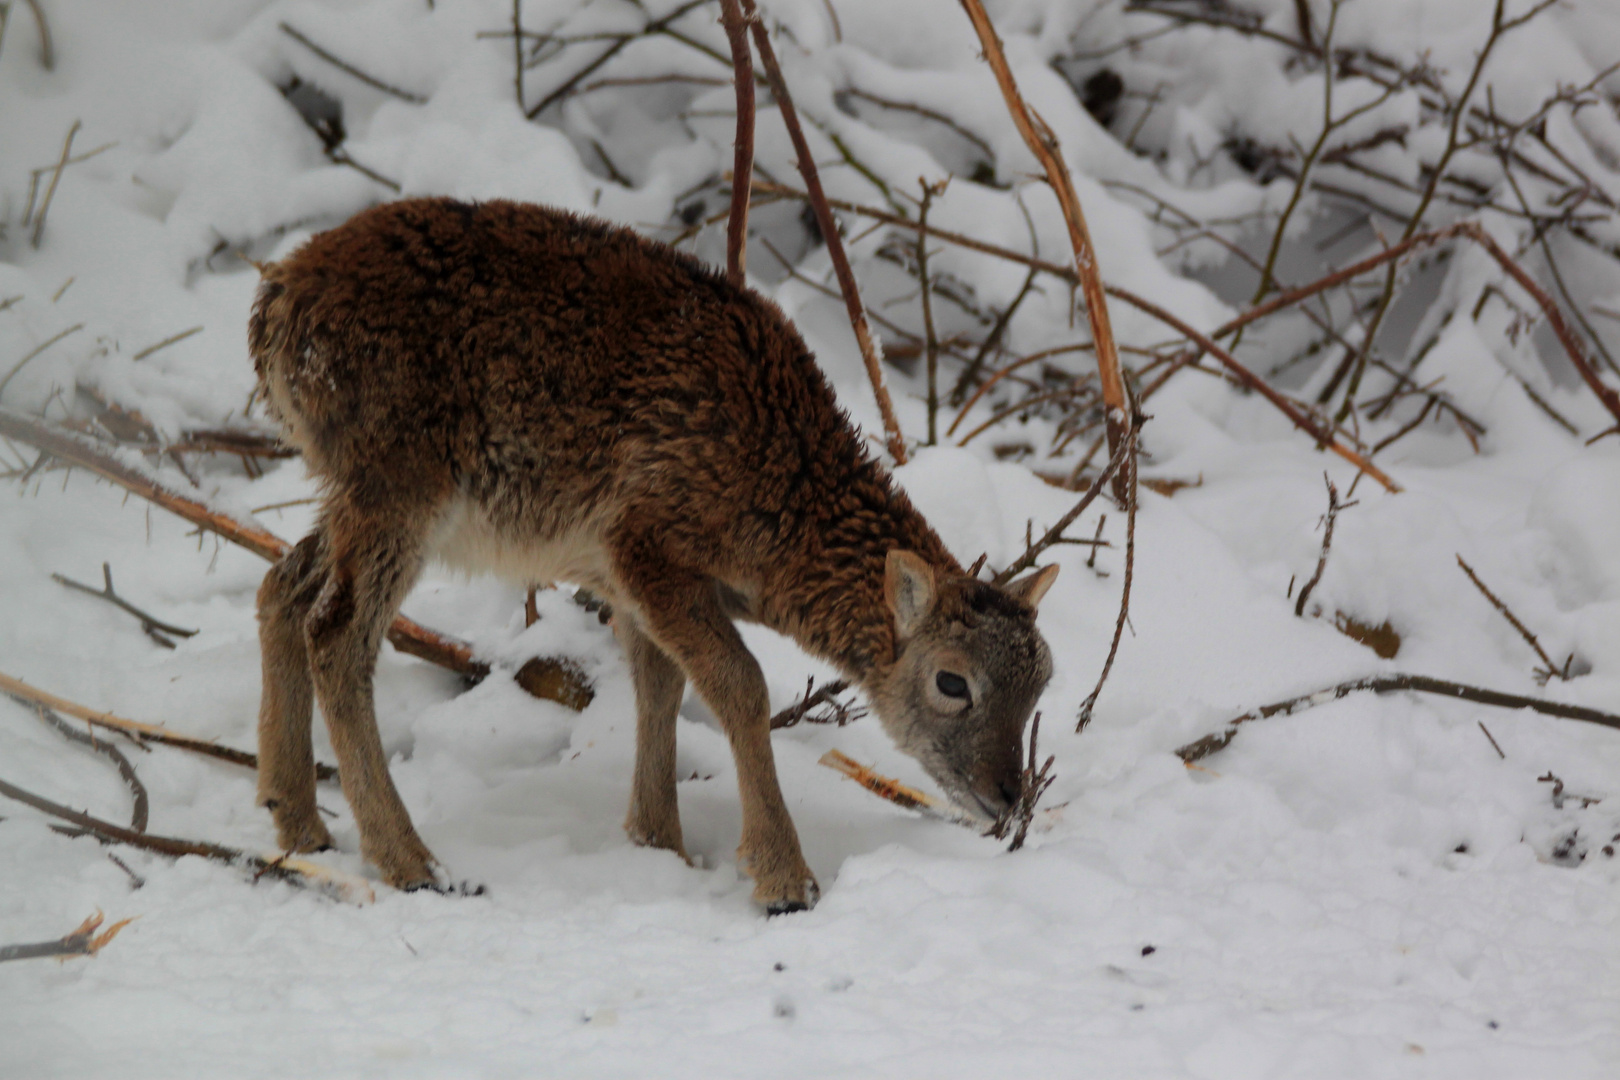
<point x="512" y="388"/>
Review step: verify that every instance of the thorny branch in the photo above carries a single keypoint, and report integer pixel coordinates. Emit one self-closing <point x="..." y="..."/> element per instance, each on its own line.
<point x="1131" y="490"/>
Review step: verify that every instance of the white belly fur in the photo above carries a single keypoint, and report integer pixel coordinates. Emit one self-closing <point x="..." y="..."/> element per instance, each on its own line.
<point x="465" y="539"/>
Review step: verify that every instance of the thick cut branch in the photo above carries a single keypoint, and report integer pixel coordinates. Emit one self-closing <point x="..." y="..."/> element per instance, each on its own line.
<point x="1039" y="138"/>
<point x="829" y="232"/>
<point x="1383" y="684"/>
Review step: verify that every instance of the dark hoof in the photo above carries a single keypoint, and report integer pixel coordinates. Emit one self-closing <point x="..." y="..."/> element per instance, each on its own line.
<point x="785" y="907"/>
<point x="448" y="888"/>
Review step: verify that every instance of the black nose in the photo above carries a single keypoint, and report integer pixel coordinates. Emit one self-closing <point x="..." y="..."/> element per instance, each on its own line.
<point x="1009" y="790"/>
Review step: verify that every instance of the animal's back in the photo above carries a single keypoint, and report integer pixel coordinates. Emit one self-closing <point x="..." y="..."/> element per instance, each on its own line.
<point x="502" y="336"/>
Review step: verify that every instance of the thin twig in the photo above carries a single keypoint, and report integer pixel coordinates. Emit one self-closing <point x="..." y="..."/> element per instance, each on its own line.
<point x="1032" y="784"/>
<point x="56" y="178"/>
<point x="148" y="623"/>
<point x="1090" y="703"/>
<point x="166" y="342"/>
<point x="343" y="65"/>
<point x="654" y="26"/>
<point x="829" y="232"/>
<point x="1549" y="669"/>
<point x="1055" y="533"/>
<point x="141" y="802"/>
<point x="1492" y="738"/>
<point x="930" y="337"/>
<point x="41" y="347"/>
<point x="1334" y="506"/>
<point x="1383" y="684"/>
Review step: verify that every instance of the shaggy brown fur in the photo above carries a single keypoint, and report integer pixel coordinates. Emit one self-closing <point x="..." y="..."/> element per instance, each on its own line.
<point x="512" y="388"/>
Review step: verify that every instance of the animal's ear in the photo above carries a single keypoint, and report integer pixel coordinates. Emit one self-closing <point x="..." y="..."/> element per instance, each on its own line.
<point x="908" y="586"/>
<point x="1031" y="587"/>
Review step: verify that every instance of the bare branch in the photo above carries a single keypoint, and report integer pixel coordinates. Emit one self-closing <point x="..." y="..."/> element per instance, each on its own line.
<point x="829" y="232"/>
<point x="1383" y="684"/>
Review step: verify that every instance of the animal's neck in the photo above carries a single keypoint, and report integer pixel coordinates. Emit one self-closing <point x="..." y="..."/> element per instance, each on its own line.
<point x="829" y="595"/>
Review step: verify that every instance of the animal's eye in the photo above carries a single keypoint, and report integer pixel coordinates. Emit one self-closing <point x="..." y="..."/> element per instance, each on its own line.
<point x="952" y="685"/>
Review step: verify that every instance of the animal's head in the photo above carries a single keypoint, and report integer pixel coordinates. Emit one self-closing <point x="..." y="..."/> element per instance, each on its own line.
<point x="968" y="669"/>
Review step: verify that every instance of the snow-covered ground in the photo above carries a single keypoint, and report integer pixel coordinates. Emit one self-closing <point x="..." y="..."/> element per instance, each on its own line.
<point x="1366" y="889"/>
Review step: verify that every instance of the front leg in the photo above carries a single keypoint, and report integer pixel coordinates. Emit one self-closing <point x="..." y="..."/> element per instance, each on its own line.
<point x="681" y="611"/>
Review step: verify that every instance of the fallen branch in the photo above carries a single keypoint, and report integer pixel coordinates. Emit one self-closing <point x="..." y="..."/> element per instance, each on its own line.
<point x="83" y="941"/>
<point x="1383" y="684"/>
<point x="155" y="628"/>
<point x="1043" y="143"/>
<point x="896" y="792"/>
<point x="295" y="871"/>
<point x="829" y="232"/>
<point x="143" y="733"/>
<point x="407" y="636"/>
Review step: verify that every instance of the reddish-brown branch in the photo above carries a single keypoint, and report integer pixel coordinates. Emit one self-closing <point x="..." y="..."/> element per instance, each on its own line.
<point x="742" y="168"/>
<point x="1043" y="143"/>
<point x="829" y="232"/>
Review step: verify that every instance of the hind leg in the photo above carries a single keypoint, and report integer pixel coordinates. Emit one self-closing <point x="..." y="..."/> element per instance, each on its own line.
<point x="655" y="816"/>
<point x="286" y="758"/>
<point x="370" y="562"/>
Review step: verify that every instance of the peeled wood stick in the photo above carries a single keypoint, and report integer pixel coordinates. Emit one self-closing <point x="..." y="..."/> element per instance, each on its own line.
<point x="893" y="790"/>
<point x="1043" y="143"/>
<point x="829" y="232"/>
